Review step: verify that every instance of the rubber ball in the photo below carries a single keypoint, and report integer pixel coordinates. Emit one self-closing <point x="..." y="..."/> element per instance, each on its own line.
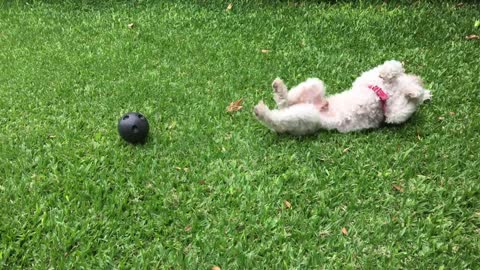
<point x="133" y="127"/>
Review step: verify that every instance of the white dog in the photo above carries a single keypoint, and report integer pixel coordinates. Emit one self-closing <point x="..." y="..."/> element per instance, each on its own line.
<point x="383" y="94"/>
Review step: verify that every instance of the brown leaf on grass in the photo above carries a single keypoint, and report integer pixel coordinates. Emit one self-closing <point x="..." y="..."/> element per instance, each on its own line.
<point x="131" y="25"/>
<point x="229" y="7"/>
<point x="441" y="118"/>
<point x="452" y="113"/>
<point x="188" y="228"/>
<point x="461" y="4"/>
<point x="265" y="51"/>
<point x="346" y="150"/>
<point x="472" y="37"/>
<point x="398" y="188"/>
<point x="235" y="106"/>
<point x="201" y="182"/>
<point x="216" y="268"/>
<point x="344" y="231"/>
<point x="287" y="204"/>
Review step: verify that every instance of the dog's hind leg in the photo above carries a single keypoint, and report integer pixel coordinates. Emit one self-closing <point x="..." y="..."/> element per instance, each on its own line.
<point x="310" y="91"/>
<point x="280" y="93"/>
<point x="298" y="119"/>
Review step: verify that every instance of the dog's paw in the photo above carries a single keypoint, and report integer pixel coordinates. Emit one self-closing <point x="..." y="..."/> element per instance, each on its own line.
<point x="260" y="109"/>
<point x="390" y="70"/>
<point x="278" y="85"/>
<point x="427" y="95"/>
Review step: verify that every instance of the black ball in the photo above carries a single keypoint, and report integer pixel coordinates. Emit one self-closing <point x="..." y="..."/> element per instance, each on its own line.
<point x="133" y="127"/>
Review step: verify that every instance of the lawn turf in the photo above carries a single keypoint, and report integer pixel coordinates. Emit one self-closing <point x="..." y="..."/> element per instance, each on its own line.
<point x="217" y="188"/>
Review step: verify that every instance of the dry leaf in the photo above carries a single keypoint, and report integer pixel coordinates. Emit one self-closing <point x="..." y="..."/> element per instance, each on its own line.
<point x="229" y="7"/>
<point x="471" y="37"/>
<point x="265" y="51"/>
<point x="452" y="113"/>
<point x="188" y="228"/>
<point x="216" y="268"/>
<point x="441" y="118"/>
<point x="235" y="106"/>
<point x="130" y="25"/>
<point x="460" y="4"/>
<point x="52" y="136"/>
<point x="398" y="188"/>
<point x="344" y="231"/>
<point x="346" y="150"/>
<point x="287" y="204"/>
<point x="201" y="182"/>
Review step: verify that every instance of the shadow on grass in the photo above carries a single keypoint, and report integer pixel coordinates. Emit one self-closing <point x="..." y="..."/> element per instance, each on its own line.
<point x="406" y="130"/>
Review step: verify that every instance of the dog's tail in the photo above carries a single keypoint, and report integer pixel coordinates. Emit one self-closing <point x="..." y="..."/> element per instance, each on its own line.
<point x="390" y="70"/>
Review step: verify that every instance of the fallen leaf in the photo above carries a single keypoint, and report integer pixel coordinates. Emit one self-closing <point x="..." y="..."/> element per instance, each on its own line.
<point x="287" y="204"/>
<point x="188" y="228"/>
<point x="265" y="51"/>
<point x="216" y="268"/>
<point x="472" y="37"/>
<point x="235" y="106"/>
<point x="229" y="7"/>
<point x="346" y="150"/>
<point x="344" y="231"/>
<point x="452" y="113"/>
<point x="131" y="25"/>
<point x="52" y="136"/>
<point x="201" y="182"/>
<point x="398" y="188"/>
<point x="441" y="118"/>
<point x="460" y="4"/>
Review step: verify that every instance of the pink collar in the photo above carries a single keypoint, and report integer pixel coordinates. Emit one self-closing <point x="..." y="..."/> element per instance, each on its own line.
<point x="381" y="95"/>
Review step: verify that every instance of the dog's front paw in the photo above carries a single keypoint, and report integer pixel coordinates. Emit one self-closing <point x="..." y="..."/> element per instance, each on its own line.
<point x="427" y="95"/>
<point x="260" y="109"/>
<point x="390" y="70"/>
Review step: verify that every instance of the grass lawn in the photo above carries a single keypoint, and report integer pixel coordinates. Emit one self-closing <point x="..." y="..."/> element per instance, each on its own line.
<point x="214" y="188"/>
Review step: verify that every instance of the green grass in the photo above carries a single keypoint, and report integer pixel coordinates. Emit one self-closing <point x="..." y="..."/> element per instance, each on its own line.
<point x="209" y="187"/>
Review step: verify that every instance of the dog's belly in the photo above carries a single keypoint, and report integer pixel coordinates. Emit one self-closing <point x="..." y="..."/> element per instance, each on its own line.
<point x="355" y="113"/>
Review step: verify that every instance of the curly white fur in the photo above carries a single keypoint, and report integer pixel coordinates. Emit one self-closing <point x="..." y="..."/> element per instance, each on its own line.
<point x="305" y="109"/>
